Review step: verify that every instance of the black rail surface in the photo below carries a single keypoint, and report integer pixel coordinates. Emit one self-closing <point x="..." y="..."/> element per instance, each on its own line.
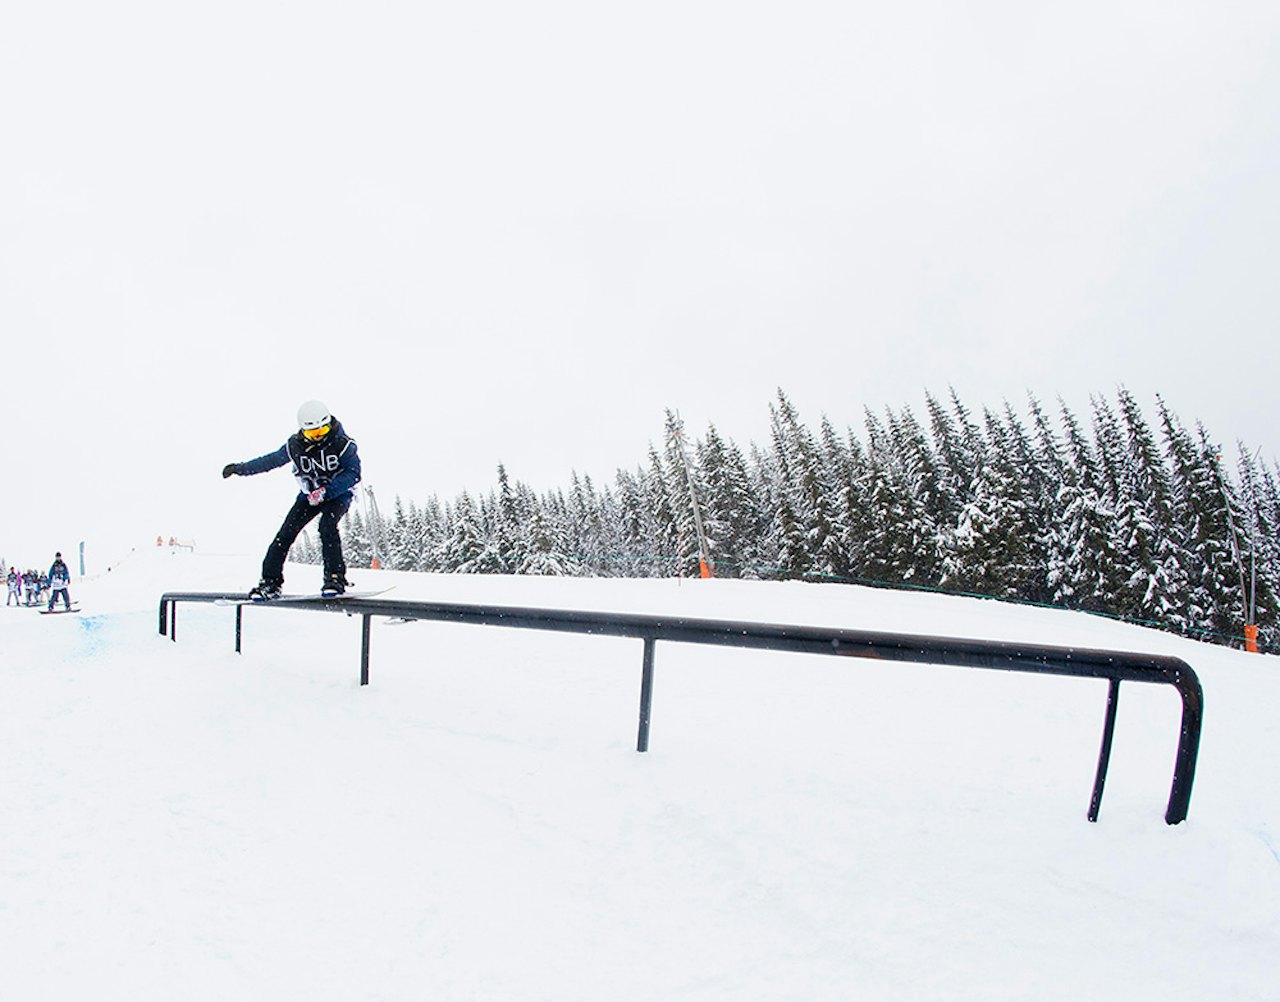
<point x="1116" y="666"/>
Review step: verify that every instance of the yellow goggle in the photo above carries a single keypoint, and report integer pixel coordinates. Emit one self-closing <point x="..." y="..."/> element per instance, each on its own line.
<point x="315" y="434"/>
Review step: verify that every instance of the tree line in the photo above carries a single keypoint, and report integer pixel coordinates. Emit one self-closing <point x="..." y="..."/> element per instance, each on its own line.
<point x="1126" y="516"/>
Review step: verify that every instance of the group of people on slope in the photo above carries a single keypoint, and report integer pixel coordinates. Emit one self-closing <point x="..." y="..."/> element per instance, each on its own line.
<point x="33" y="585"/>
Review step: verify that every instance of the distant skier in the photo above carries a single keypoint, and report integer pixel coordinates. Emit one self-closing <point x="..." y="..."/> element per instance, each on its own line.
<point x="327" y="467"/>
<point x="59" y="579"/>
<point x="15" y="587"/>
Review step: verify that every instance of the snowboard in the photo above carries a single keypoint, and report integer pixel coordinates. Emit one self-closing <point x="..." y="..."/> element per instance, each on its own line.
<point x="309" y="597"/>
<point x="59" y="611"/>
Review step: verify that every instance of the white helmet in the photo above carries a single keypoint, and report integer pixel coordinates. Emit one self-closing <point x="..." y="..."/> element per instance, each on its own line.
<point x="313" y="414"/>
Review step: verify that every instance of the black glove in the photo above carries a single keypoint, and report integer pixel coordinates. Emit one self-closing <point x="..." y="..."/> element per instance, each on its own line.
<point x="229" y="470"/>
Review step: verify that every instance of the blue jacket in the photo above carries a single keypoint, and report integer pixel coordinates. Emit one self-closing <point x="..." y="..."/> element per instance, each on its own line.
<point x="331" y="463"/>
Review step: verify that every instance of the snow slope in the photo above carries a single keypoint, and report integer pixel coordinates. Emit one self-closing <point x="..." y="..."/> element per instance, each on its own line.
<point x="184" y="822"/>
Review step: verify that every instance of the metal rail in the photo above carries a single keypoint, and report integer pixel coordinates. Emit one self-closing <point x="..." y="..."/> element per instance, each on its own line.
<point x="1116" y="666"/>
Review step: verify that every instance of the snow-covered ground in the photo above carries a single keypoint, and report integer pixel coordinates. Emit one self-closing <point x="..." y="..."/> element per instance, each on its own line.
<point x="181" y="822"/>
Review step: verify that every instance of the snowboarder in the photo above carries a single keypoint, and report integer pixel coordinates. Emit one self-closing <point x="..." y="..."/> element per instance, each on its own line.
<point x="15" y="587"/>
<point x="327" y="468"/>
<point x="59" y="579"/>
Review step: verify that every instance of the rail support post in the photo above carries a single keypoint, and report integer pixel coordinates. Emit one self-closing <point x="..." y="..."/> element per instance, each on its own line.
<point x="1184" y="768"/>
<point x="646" y="695"/>
<point x="364" y="648"/>
<point x="239" y="611"/>
<point x="1104" y="756"/>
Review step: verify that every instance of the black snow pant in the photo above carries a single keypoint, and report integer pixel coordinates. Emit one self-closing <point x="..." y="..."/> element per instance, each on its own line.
<point x="302" y="512"/>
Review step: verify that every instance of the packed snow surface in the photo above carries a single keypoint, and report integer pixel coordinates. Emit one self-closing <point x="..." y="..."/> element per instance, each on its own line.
<point x="185" y="822"/>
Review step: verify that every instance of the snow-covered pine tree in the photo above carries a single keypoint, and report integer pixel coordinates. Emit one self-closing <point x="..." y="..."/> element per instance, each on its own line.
<point x="1132" y="535"/>
<point x="430" y="527"/>
<point x="765" y="480"/>
<point x="584" y="535"/>
<point x="1108" y="442"/>
<point x="400" y="538"/>
<point x="685" y="482"/>
<point x="1084" y="573"/>
<point x="357" y="547"/>
<point x="955" y="443"/>
<point x="808" y="489"/>
<point x="555" y="517"/>
<point x="543" y="556"/>
<point x="1158" y="579"/>
<point x="994" y="530"/>
<point x="1051" y="463"/>
<point x="797" y="529"/>
<point x="509" y="532"/>
<point x="891" y="524"/>
<point x="848" y="476"/>
<point x="657" y="492"/>
<point x="1038" y="476"/>
<point x="926" y="502"/>
<point x="793" y="559"/>
<point x="730" y="511"/>
<point x="611" y="556"/>
<point x="637" y="528"/>
<point x="463" y="551"/>
<point x="1192" y="516"/>
<point x="1218" y="552"/>
<point x="823" y="480"/>
<point x="490" y="560"/>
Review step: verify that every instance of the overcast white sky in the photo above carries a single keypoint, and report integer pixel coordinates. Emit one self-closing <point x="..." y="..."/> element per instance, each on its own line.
<point x="508" y="232"/>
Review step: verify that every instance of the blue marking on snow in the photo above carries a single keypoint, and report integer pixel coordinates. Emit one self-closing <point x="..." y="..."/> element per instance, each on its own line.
<point x="1270" y="846"/>
<point x="92" y="635"/>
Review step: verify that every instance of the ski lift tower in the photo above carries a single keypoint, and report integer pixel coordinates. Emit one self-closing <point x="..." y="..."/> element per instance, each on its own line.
<point x="377" y="536"/>
<point x="705" y="567"/>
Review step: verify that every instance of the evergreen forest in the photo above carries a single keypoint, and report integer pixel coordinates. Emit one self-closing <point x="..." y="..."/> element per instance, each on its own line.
<point x="1122" y="514"/>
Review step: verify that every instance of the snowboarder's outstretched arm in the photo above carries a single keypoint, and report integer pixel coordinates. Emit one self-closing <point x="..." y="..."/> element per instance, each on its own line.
<point x="271" y="461"/>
